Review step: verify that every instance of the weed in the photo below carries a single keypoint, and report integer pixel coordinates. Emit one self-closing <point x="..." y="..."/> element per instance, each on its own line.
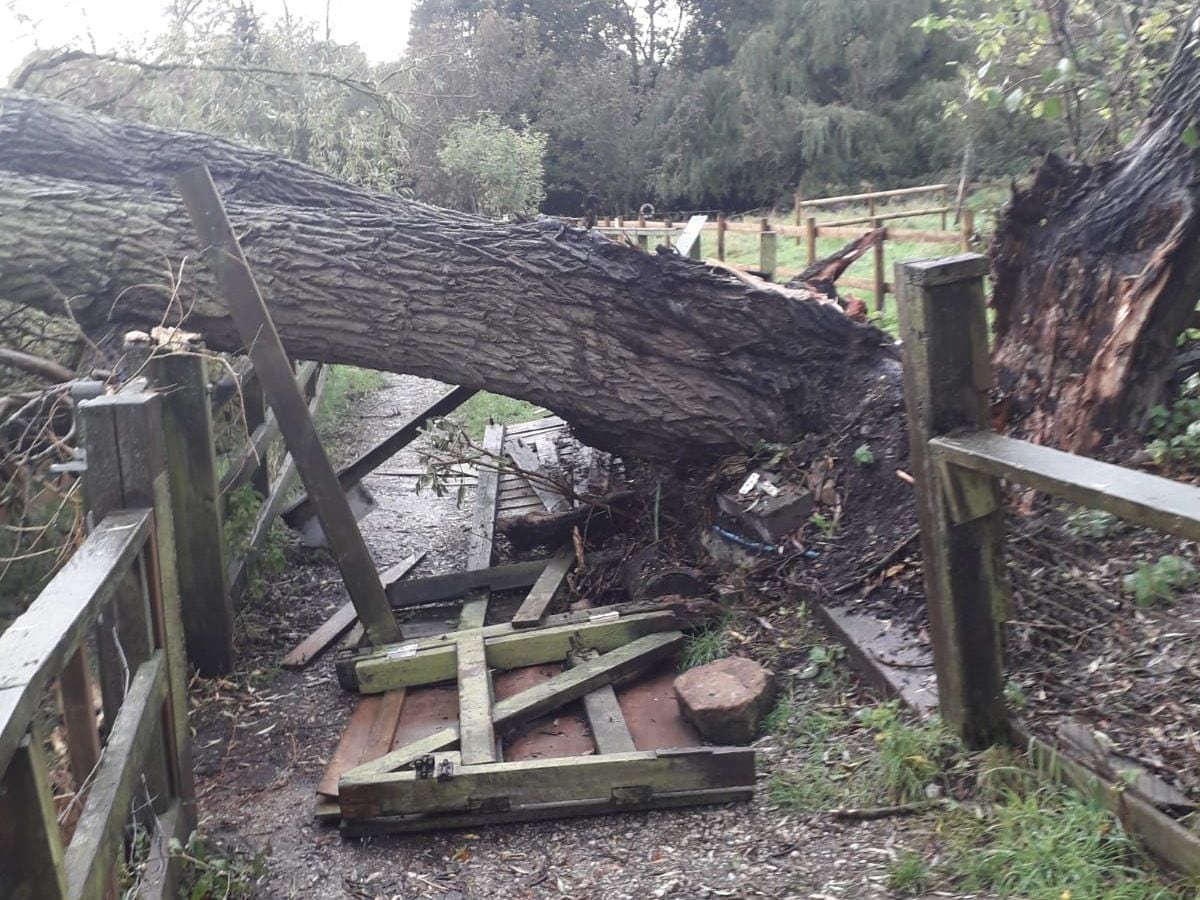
<point x="708" y="644"/>
<point x="822" y="659"/>
<point x="1048" y="844"/>
<point x="1159" y="580"/>
<point x="343" y="386"/>
<point x="909" y="874"/>
<point x="824" y="525"/>
<point x="241" y="515"/>
<point x="209" y="872"/>
<point x="1175" y="430"/>
<point x="1092" y="523"/>
<point x="863" y="455"/>
<point x="909" y="757"/>
<point x="1014" y="696"/>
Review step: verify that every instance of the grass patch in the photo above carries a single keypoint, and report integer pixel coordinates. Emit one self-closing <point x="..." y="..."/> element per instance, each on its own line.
<point x="1047" y="843"/>
<point x="706" y="645"/>
<point x="909" y="874"/>
<point x="485" y="407"/>
<point x="344" y="385"/>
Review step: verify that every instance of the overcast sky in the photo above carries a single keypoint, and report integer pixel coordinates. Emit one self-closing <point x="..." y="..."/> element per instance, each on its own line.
<point x="380" y="27"/>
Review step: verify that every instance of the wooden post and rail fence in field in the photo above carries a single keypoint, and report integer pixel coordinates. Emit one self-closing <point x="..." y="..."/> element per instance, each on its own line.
<point x="808" y="229"/>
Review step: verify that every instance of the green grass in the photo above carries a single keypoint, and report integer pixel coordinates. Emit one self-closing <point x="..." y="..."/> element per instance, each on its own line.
<point x="909" y="874"/>
<point x="704" y="646"/>
<point x="485" y="407"/>
<point x="743" y="248"/>
<point x="343" y="387"/>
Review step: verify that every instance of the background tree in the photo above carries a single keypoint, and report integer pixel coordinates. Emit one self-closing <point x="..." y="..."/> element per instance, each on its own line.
<point x="494" y="170"/>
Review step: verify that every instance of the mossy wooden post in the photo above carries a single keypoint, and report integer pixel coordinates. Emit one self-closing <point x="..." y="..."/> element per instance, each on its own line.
<point x="942" y="204"/>
<point x="249" y="312"/>
<point x="810" y="240"/>
<point x="877" y="278"/>
<point x="31" y="852"/>
<point x="127" y="470"/>
<point x="722" y="223"/>
<point x="766" y="250"/>
<point x="946" y="381"/>
<point x="968" y="229"/>
<point x="191" y="459"/>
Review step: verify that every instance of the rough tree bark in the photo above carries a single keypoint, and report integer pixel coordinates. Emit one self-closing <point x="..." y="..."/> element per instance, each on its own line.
<point x="645" y="354"/>
<point x="1097" y="271"/>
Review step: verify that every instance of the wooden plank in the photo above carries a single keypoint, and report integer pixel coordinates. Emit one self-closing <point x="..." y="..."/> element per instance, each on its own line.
<point x="584" y="678"/>
<point x="483" y="526"/>
<point x="352" y="473"/>
<point x="264" y="430"/>
<point x="348" y="752"/>
<point x="254" y="410"/>
<point x="256" y="329"/>
<point x="1138" y="497"/>
<point x="527" y="460"/>
<point x="542" y="594"/>
<point x="947" y="377"/>
<point x="877" y="195"/>
<point x="476" y="736"/>
<point x="341" y="621"/>
<point x="79" y="716"/>
<point x="161" y="876"/>
<point x="29" y="842"/>
<point x="607" y="722"/>
<point x="688" y="242"/>
<point x="406" y="755"/>
<point x="36" y="647"/>
<point x="547" y="423"/>
<point x="197" y="514"/>
<point x="135" y="736"/>
<point x="634" y="777"/>
<point x="406" y="665"/>
<point x="448" y="586"/>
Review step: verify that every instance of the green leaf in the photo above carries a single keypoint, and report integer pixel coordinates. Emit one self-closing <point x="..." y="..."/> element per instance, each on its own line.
<point x="1190" y="138"/>
<point x="1052" y="107"/>
<point x="863" y="455"/>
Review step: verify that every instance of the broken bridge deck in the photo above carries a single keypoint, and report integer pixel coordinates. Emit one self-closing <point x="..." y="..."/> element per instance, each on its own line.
<point x="527" y="710"/>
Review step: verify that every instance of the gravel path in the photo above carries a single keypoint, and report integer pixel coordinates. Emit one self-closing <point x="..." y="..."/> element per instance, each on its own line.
<point x="263" y="738"/>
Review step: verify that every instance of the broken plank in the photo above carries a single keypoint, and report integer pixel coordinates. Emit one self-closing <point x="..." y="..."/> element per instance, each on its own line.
<point x="549" y="423"/>
<point x="477" y="739"/>
<point x="607" y="722"/>
<point x="500" y="786"/>
<point x="367" y="737"/>
<point x="534" y="474"/>
<point x="544" y="589"/>
<point x="483" y="526"/>
<point x="406" y="755"/>
<point x="341" y="621"/>
<point x="436" y="588"/>
<point x="236" y="284"/>
<point x="535" y="812"/>
<point x="586" y="677"/>
<point x="407" y="665"/>
<point x="349" y="475"/>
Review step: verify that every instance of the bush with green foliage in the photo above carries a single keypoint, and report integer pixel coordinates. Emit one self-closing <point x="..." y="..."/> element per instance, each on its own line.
<point x="493" y="169"/>
<point x="1159" y="581"/>
<point x="1175" y="429"/>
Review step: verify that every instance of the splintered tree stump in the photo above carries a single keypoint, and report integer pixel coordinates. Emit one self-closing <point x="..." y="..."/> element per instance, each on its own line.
<point x="646" y="576"/>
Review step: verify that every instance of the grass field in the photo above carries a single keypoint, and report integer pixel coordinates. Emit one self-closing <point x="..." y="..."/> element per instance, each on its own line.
<point x="743" y="248"/>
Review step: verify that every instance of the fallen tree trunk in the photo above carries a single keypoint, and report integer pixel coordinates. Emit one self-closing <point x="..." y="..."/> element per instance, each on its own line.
<point x="644" y="354"/>
<point x="1097" y="271"/>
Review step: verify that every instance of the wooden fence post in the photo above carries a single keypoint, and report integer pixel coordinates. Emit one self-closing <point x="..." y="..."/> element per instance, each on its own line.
<point x="942" y="204"/>
<point x="810" y="240"/>
<point x="878" y="275"/>
<point x="196" y="507"/>
<point x="249" y="313"/>
<point x="798" y="205"/>
<point x="721" y="225"/>
<point x="968" y="229"/>
<point x="28" y="829"/>
<point x="947" y="376"/>
<point x="766" y="250"/>
<point x="127" y="470"/>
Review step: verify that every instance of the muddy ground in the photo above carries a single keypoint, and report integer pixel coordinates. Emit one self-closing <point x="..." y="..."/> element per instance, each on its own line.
<point x="264" y="735"/>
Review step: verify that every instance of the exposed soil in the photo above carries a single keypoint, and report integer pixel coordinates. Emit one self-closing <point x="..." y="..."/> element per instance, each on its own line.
<point x="264" y="736"/>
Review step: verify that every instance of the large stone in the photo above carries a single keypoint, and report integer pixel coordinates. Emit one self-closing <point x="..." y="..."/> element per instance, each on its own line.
<point x="727" y="699"/>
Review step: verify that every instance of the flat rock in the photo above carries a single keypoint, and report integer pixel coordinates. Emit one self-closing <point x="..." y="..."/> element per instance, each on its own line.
<point x="727" y="699"/>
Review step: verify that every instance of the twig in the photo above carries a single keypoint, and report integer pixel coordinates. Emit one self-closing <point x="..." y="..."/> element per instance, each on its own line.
<point x="884" y="812"/>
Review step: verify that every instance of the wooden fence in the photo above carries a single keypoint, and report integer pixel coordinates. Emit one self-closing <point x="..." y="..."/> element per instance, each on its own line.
<point x="118" y="594"/>
<point x="959" y="464"/>
<point x="808" y="229"/>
